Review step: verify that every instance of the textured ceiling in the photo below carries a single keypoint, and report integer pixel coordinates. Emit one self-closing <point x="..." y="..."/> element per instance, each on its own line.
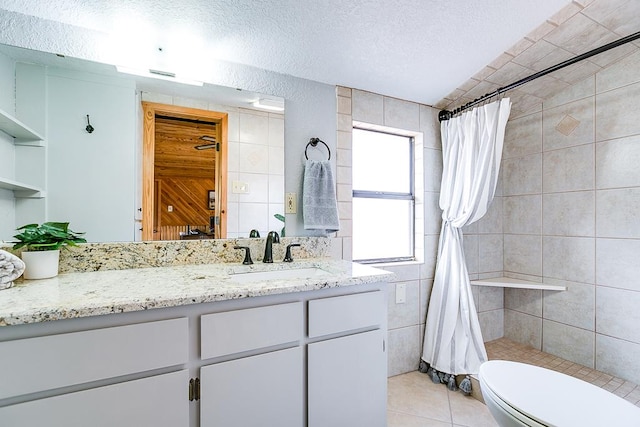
<point x="419" y="50"/>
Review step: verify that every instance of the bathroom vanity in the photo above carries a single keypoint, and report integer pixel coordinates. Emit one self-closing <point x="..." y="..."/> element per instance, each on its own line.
<point x="197" y="345"/>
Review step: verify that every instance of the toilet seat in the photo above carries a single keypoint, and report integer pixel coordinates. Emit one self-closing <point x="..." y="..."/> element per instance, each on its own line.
<point x="505" y="415"/>
<point x="550" y="398"/>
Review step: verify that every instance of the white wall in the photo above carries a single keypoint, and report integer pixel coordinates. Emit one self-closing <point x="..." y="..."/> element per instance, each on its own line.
<point x="90" y="179"/>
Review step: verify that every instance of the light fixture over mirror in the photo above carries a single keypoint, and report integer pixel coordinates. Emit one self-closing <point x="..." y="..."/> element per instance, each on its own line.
<point x="95" y="182"/>
<point x="158" y="74"/>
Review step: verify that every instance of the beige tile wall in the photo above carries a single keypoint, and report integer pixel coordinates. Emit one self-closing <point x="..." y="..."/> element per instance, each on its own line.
<point x="572" y="217"/>
<point x="406" y="321"/>
<point x="580" y="26"/>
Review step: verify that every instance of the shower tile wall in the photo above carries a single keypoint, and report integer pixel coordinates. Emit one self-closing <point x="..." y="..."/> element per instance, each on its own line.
<point x="406" y="320"/>
<point x="571" y="200"/>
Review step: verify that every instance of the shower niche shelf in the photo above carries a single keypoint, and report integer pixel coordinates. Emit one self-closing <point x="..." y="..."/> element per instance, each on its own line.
<point x="508" y="282"/>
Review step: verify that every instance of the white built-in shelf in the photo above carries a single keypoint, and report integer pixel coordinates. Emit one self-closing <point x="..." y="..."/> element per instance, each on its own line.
<point x="22" y="133"/>
<point x="507" y="282"/>
<point x="21" y="190"/>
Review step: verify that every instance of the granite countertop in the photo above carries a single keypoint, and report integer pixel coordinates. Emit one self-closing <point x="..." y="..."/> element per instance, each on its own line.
<point x="75" y="295"/>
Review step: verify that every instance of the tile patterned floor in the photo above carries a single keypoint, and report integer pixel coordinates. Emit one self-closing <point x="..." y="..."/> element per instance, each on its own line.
<point x="415" y="401"/>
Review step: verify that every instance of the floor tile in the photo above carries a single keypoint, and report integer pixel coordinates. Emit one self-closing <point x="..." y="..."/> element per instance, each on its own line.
<point x="415" y="401"/>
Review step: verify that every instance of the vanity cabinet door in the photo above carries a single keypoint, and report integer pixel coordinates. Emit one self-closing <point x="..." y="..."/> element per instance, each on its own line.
<point x="159" y="401"/>
<point x="256" y="391"/>
<point x="347" y="381"/>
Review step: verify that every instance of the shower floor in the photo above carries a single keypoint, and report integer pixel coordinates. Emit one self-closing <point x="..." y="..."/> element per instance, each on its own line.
<point x="505" y="349"/>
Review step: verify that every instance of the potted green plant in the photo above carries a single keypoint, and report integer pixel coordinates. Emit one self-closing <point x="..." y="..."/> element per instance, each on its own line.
<point x="42" y="244"/>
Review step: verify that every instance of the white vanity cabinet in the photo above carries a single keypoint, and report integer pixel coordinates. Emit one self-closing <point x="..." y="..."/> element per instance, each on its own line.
<point x="313" y="358"/>
<point x="98" y="377"/>
<point x="347" y="367"/>
<point x="264" y="389"/>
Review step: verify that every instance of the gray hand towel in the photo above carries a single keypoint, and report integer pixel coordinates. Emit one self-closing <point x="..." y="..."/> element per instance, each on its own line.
<point x="11" y="267"/>
<point x="319" y="203"/>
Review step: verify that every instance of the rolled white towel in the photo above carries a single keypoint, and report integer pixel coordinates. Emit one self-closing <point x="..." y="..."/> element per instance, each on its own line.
<point x="11" y="267"/>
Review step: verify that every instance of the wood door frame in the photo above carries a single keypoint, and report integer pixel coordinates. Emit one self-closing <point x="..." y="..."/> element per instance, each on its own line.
<point x="150" y="110"/>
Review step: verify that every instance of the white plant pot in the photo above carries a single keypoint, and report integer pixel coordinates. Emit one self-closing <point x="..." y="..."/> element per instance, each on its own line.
<point x="40" y="264"/>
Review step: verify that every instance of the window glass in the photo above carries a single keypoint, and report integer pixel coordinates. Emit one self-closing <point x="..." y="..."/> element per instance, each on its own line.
<point x="383" y="198"/>
<point x="382" y="229"/>
<point x="381" y="161"/>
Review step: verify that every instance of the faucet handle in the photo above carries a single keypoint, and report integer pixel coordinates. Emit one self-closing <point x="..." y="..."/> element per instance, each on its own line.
<point x="247" y="254"/>
<point x="254" y="233"/>
<point x="275" y="237"/>
<point x="287" y="256"/>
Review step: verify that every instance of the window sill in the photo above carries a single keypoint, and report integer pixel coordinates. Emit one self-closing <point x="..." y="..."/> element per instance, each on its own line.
<point x="393" y="264"/>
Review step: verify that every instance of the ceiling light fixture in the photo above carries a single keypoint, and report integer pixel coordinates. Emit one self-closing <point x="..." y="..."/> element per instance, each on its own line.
<point x="158" y="74"/>
<point x="269" y="104"/>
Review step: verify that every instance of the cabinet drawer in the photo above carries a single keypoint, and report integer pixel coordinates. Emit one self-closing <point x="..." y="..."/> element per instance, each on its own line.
<point x="249" y="329"/>
<point x="44" y="363"/>
<point x="149" y="402"/>
<point x="346" y="313"/>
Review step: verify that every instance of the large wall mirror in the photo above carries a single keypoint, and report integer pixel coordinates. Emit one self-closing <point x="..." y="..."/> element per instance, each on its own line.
<point x="216" y="169"/>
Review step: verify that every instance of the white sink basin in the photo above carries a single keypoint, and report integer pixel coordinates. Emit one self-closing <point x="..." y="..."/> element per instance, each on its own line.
<point x="291" y="274"/>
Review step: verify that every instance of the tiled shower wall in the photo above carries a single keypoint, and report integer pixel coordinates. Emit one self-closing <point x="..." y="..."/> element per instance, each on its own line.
<point x="571" y="201"/>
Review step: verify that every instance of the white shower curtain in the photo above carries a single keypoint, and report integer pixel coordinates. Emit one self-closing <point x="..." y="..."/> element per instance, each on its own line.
<point x="471" y="150"/>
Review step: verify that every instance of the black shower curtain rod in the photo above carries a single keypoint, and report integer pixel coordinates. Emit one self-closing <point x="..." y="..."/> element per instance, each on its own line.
<point x="446" y="114"/>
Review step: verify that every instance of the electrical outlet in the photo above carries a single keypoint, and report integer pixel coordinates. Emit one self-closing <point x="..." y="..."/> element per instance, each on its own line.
<point x="401" y="293"/>
<point x="169" y="208"/>
<point x="290" y="203"/>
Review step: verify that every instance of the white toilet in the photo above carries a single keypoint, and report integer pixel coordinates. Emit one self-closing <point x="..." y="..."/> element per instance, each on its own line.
<point x="518" y="395"/>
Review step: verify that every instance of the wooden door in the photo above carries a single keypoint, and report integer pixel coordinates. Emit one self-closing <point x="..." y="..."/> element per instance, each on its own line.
<point x="184" y="163"/>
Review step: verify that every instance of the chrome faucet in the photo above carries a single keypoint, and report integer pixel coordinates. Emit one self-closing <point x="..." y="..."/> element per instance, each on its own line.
<point x="272" y="238"/>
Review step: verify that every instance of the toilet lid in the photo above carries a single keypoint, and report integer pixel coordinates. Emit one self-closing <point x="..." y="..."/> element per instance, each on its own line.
<point x="556" y="399"/>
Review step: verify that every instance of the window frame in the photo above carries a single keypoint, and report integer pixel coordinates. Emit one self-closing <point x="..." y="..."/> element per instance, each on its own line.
<point x="387" y="195"/>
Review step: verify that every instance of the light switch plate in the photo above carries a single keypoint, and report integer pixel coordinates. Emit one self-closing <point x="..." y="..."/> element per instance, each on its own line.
<point x="290" y="203"/>
<point x="401" y="293"/>
<point x="239" y="187"/>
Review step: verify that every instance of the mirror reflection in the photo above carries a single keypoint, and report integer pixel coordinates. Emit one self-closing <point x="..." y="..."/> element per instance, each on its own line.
<point x="163" y="160"/>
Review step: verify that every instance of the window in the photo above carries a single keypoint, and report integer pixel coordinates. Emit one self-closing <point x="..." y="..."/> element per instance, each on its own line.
<point x="383" y="196"/>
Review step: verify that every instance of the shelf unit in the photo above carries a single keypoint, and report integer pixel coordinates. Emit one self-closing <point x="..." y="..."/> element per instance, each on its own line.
<point x="508" y="282"/>
<point x="21" y="190"/>
<point x="22" y="135"/>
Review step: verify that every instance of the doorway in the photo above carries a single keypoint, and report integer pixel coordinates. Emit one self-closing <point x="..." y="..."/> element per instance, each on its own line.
<point x="184" y="173"/>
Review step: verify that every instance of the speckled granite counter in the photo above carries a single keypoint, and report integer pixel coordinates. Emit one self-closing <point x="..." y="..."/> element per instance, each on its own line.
<point x="75" y="295"/>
